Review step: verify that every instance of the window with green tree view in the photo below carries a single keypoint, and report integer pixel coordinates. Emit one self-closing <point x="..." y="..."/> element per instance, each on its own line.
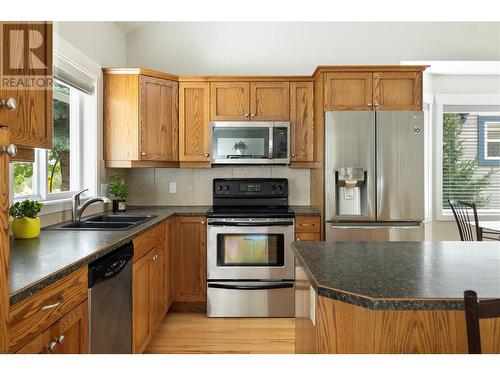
<point x="54" y="174"/>
<point x="465" y="177"/>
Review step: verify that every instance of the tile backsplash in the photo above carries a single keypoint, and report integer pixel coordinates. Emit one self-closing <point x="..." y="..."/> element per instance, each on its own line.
<point x="150" y="186"/>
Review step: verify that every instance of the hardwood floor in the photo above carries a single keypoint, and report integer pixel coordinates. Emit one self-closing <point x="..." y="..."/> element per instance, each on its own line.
<point x="192" y="332"/>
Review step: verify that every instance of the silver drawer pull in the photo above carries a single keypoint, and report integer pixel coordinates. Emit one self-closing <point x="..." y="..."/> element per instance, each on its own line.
<point x="48" y="307"/>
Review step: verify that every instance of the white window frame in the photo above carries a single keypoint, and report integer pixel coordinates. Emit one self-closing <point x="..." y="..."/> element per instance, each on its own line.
<point x="89" y="141"/>
<point x="486" y="141"/>
<point x="441" y="101"/>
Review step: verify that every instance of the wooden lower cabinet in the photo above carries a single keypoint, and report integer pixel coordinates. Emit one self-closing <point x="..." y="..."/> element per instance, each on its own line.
<point x="147" y="296"/>
<point x="150" y="286"/>
<point x="190" y="259"/>
<point x="169" y="264"/>
<point x="307" y="228"/>
<point x="69" y="335"/>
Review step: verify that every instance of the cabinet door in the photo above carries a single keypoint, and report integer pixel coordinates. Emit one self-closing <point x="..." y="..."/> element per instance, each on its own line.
<point x="4" y="243"/>
<point x="269" y="101"/>
<point x="348" y="91"/>
<point x="168" y="265"/>
<point x="156" y="284"/>
<point x="302" y="121"/>
<point x="141" y="330"/>
<point x="158" y="119"/>
<point x="190" y="259"/>
<point x="229" y="101"/>
<point x="30" y="123"/>
<point x="38" y="345"/>
<point x="194" y="128"/>
<point x="71" y="332"/>
<point x="397" y="91"/>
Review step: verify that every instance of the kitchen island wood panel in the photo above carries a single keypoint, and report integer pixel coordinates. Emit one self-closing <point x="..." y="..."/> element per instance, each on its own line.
<point x="348" y="299"/>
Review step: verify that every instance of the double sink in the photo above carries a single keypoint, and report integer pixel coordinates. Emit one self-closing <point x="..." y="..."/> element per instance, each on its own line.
<point x="104" y="222"/>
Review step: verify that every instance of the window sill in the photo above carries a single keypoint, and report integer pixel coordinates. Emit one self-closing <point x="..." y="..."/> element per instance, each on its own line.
<point x="494" y="216"/>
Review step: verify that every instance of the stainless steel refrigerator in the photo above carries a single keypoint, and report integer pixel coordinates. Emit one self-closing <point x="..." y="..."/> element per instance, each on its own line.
<point x="374" y="176"/>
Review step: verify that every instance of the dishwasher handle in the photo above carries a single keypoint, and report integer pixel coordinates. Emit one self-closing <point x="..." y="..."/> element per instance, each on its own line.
<point x="110" y="265"/>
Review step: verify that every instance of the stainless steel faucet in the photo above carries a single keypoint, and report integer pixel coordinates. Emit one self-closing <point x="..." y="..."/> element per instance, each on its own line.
<point x="76" y="213"/>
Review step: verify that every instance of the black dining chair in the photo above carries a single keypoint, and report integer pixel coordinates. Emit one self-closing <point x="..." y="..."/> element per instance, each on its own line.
<point x="465" y="214"/>
<point x="475" y="310"/>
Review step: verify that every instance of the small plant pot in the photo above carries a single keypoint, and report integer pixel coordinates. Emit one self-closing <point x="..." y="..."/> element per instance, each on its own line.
<point x="26" y="227"/>
<point x="119" y="205"/>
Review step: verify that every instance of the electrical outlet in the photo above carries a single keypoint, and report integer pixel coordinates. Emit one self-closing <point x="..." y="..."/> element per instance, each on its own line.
<point x="172" y="187"/>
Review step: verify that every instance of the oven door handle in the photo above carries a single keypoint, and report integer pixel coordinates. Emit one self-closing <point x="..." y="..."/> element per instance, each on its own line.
<point x="256" y="224"/>
<point x="251" y="287"/>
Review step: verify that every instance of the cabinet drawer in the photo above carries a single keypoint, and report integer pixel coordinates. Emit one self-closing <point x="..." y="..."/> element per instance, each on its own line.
<point x="39" y="311"/>
<point x="309" y="224"/>
<point x="147" y="241"/>
<point x="307" y="236"/>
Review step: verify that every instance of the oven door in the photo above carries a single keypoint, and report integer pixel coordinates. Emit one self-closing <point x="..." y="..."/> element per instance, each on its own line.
<point x="250" y="249"/>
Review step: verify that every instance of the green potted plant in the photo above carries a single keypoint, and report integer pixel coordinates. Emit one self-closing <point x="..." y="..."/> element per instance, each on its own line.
<point x="240" y="147"/>
<point x="26" y="223"/>
<point x="119" y="188"/>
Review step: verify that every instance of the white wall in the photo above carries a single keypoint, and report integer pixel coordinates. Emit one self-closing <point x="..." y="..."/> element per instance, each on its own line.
<point x="297" y="48"/>
<point x="103" y="42"/>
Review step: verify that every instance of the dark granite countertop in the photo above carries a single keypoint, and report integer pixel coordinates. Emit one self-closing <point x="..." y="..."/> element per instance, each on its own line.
<point x="37" y="263"/>
<point x="401" y="275"/>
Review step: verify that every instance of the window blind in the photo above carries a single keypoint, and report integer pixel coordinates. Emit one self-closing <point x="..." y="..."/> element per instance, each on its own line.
<point x="463" y="176"/>
<point x="72" y="75"/>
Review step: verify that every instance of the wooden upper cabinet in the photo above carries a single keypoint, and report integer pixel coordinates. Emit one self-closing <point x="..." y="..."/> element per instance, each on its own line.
<point x="30" y="123"/>
<point x="249" y="101"/>
<point x="229" y="101"/>
<point x="194" y="127"/>
<point x="348" y="91"/>
<point x="158" y="119"/>
<point x="269" y="101"/>
<point x="190" y="259"/>
<point x="140" y="119"/>
<point x="302" y="121"/>
<point x="397" y="91"/>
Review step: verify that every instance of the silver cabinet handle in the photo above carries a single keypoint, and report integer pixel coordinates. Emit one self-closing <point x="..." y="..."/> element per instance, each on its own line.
<point x="376" y="104"/>
<point x="10" y="104"/>
<point x="203" y="223"/>
<point x="252" y="115"/>
<point x="48" y="307"/>
<point x="207" y="155"/>
<point x="52" y="346"/>
<point x="60" y="339"/>
<point x="293" y="155"/>
<point x="10" y="150"/>
<point x="143" y="153"/>
<point x="246" y="114"/>
<point x="370" y="104"/>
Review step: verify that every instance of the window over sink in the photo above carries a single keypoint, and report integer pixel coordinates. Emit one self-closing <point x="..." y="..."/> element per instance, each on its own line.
<point x="63" y="170"/>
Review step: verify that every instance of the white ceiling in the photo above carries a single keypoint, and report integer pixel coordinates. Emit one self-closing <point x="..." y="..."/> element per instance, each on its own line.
<point x="128" y="27"/>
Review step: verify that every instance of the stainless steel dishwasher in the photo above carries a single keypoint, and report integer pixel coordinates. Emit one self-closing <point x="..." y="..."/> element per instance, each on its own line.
<point x="110" y="302"/>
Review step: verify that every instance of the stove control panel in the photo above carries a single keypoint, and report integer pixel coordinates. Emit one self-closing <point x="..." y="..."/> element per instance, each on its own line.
<point x="262" y="187"/>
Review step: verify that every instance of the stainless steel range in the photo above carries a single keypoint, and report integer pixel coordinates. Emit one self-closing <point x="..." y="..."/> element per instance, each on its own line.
<point x="250" y="263"/>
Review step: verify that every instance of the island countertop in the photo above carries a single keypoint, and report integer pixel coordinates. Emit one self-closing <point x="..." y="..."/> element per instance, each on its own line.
<point x="401" y="275"/>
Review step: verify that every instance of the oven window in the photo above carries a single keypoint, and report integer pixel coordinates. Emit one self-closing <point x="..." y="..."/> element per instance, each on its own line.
<point x="250" y="250"/>
<point x="240" y="143"/>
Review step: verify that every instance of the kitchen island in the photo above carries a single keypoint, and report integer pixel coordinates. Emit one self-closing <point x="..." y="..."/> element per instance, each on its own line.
<point x="392" y="297"/>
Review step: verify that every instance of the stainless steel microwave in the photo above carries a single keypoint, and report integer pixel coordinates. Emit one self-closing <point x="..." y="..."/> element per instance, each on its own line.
<point x="255" y="142"/>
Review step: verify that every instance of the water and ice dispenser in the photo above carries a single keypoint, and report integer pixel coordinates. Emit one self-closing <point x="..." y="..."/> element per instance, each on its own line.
<point x="351" y="194"/>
